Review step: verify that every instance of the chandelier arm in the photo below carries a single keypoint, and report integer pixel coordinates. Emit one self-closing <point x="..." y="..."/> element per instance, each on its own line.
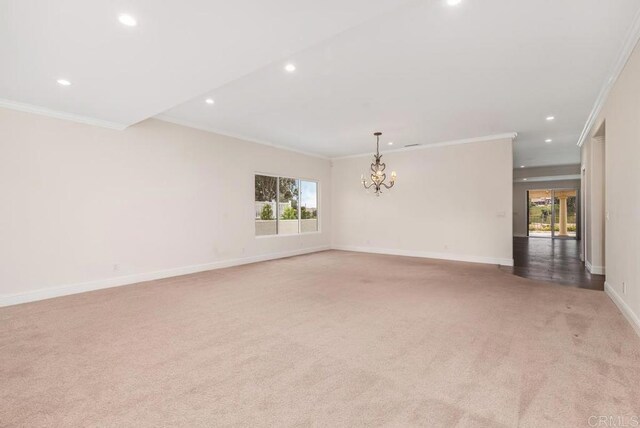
<point x="388" y="186"/>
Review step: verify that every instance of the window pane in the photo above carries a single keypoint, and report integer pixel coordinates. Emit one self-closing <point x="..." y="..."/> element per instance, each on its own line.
<point x="308" y="206"/>
<point x="265" y="201"/>
<point x="288" y="206"/>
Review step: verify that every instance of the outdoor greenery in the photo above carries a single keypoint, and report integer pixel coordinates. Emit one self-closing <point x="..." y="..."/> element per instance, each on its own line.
<point x="542" y="213"/>
<point x="289" y="193"/>
<point x="266" y="188"/>
<point x="308" y="214"/>
<point x="290" y="213"/>
<point x="267" y="212"/>
<point x="538" y="227"/>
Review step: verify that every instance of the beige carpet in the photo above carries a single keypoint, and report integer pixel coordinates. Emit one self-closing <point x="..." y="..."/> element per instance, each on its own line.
<point x="329" y="339"/>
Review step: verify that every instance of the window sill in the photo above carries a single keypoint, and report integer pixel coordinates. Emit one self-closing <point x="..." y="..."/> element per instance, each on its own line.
<point x="289" y="235"/>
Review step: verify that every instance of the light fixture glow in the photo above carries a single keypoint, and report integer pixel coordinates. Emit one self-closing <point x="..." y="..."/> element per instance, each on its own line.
<point x="548" y="140"/>
<point x="63" y="82"/>
<point x="550" y="118"/>
<point x="453" y="2"/>
<point x="524" y="179"/>
<point x="209" y="101"/>
<point x="521" y="166"/>
<point x="127" y="20"/>
<point x="376" y="173"/>
<point x="290" y="68"/>
<point x="391" y="143"/>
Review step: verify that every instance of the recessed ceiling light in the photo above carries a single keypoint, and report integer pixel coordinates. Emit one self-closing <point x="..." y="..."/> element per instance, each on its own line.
<point x="290" y="68"/>
<point x="127" y="20"/>
<point x="209" y="101"/>
<point x="453" y="2"/>
<point x="548" y="140"/>
<point x="521" y="166"/>
<point x="550" y="118"/>
<point x="391" y="143"/>
<point x="63" y="82"/>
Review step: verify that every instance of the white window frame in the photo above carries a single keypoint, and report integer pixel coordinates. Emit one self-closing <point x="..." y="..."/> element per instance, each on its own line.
<point x="300" y="233"/>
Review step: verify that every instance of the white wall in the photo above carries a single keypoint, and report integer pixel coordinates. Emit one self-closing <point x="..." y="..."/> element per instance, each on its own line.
<point x="86" y="207"/>
<point x="156" y="200"/>
<point x="593" y="163"/>
<point x="520" y="199"/>
<point x="620" y="149"/>
<point x="451" y="202"/>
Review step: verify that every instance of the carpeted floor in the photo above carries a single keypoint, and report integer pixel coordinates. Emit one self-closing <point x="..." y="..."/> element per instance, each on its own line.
<point x="328" y="339"/>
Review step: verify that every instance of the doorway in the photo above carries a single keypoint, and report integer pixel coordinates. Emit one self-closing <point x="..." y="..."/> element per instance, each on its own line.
<point x="552" y="213"/>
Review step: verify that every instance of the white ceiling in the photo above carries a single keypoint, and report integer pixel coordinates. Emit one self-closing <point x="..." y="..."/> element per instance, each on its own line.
<point x="178" y="50"/>
<point x="419" y="71"/>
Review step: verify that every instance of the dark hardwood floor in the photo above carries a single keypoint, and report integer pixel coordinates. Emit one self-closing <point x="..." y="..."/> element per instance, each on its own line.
<point x="552" y="260"/>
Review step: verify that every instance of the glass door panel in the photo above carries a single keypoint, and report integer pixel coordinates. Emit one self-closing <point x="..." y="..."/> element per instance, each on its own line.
<point x="540" y="213"/>
<point x="564" y="213"/>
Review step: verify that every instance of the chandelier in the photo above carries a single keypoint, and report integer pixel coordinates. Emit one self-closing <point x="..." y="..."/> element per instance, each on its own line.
<point x="377" y="171"/>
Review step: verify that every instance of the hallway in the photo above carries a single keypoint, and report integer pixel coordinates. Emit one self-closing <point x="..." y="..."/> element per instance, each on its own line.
<point x="552" y="260"/>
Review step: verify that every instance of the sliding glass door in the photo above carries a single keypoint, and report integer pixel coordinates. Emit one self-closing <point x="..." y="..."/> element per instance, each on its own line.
<point x="564" y="213"/>
<point x="540" y="213"/>
<point x="552" y="213"/>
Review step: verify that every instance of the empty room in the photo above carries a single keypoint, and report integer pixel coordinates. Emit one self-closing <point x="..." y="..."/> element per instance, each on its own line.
<point x="340" y="213"/>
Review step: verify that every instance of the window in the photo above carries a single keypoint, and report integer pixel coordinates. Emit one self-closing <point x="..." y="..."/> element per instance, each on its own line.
<point x="288" y="191"/>
<point x="308" y="206"/>
<point x="266" y="196"/>
<point x="285" y="206"/>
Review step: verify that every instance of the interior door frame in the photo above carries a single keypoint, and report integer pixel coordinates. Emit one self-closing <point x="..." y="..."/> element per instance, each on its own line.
<point x="528" y="218"/>
<point x="583" y="212"/>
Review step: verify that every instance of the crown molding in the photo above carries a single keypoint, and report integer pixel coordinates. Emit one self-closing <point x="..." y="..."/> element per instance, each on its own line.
<point x="186" y="123"/>
<point x="505" y="136"/>
<point x="561" y="165"/>
<point x="547" y="178"/>
<point x="623" y="57"/>
<point x="43" y="111"/>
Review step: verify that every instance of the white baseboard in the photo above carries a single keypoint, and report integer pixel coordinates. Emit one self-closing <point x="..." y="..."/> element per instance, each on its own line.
<point x="47" y="293"/>
<point x="596" y="270"/>
<point x="427" y="255"/>
<point x="624" y="308"/>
